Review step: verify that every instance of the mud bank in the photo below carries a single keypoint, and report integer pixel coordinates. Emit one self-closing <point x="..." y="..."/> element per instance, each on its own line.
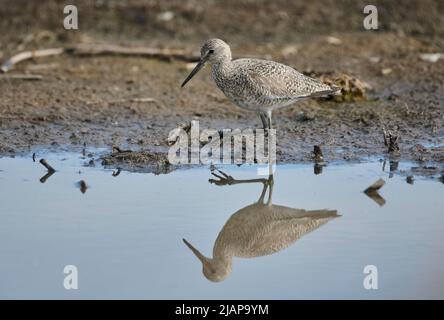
<point x="133" y="102"/>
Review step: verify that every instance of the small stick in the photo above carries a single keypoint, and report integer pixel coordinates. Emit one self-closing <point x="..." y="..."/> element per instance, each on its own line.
<point x="21" y="77"/>
<point x="26" y="55"/>
<point x="47" y="166"/>
<point x="46" y="176"/>
<point x="98" y="49"/>
<point x="385" y="137"/>
<point x="140" y="100"/>
<point x="143" y="100"/>
<point x="375" y="186"/>
<point x="163" y="54"/>
<point x="33" y="157"/>
<point x="120" y="150"/>
<point x="372" y="192"/>
<point x="318" y="156"/>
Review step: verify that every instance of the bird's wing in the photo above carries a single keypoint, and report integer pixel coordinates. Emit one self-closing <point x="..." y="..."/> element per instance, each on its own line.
<point x="280" y="82"/>
<point x="280" y="234"/>
<point x="259" y="230"/>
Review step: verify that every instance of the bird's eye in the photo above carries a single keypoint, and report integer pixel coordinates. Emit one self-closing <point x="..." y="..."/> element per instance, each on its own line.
<point x="210" y="51"/>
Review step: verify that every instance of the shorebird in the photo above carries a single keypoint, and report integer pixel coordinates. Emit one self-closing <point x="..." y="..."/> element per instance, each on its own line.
<point x="255" y="84"/>
<point x="257" y="230"/>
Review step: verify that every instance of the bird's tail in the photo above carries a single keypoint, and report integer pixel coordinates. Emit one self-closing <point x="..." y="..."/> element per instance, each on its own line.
<point x="322" y="214"/>
<point x="336" y="90"/>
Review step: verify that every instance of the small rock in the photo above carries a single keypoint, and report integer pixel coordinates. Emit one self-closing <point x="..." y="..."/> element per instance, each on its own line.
<point x="82" y="185"/>
<point x="431" y="57"/>
<point x="165" y="16"/>
<point x="333" y="40"/>
<point x="386" y="71"/>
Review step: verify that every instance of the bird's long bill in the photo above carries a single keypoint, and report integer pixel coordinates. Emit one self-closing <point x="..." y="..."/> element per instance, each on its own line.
<point x="196" y="252"/>
<point x="195" y="70"/>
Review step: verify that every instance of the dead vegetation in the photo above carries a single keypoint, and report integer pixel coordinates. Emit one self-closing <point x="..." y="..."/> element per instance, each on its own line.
<point x="352" y="88"/>
<point x="155" y="162"/>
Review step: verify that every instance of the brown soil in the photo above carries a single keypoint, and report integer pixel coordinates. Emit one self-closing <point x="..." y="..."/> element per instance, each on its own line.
<point x="87" y="101"/>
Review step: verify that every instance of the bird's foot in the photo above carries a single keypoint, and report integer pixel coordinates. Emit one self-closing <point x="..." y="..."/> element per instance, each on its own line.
<point x="224" y="179"/>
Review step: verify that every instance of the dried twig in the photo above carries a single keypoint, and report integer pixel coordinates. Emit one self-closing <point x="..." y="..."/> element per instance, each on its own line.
<point x="46" y="176"/>
<point x="391" y="141"/>
<point x="26" y="55"/>
<point x="163" y="54"/>
<point x="102" y="49"/>
<point x="139" y="100"/>
<point x="372" y="192"/>
<point x="386" y="143"/>
<point x="82" y="185"/>
<point x="21" y="77"/>
<point x="47" y="166"/>
<point x="375" y="186"/>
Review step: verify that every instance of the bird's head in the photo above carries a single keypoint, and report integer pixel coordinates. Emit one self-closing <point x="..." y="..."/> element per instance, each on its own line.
<point x="213" y="51"/>
<point x="214" y="270"/>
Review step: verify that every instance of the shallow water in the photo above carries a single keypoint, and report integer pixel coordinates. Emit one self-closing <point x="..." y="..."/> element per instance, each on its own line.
<point x="124" y="234"/>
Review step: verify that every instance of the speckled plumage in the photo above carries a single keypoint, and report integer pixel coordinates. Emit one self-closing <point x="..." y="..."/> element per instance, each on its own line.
<point x="258" y="85"/>
<point x="263" y="85"/>
<point x="257" y="230"/>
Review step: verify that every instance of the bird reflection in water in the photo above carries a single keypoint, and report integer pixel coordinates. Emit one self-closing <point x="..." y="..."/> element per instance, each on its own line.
<point x="256" y="230"/>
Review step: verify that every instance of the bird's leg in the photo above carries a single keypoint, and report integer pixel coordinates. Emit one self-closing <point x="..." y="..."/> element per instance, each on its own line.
<point x="264" y="123"/>
<point x="269" y="143"/>
<point x="225" y="179"/>
<point x="269" y="120"/>
<point x="270" y="192"/>
<point x="268" y="185"/>
<point x="264" y="191"/>
<point x="264" y="120"/>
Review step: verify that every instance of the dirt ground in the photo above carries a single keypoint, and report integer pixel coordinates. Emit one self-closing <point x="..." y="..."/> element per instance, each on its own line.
<point x="90" y="100"/>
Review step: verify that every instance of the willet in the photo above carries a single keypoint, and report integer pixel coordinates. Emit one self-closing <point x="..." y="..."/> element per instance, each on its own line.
<point x="258" y="85"/>
<point x="256" y="230"/>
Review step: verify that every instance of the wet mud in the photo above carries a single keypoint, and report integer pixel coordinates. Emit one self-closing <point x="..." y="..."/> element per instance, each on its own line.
<point x="133" y="102"/>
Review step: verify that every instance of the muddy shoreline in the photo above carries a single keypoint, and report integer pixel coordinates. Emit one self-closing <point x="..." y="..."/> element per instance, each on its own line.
<point x="134" y="102"/>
